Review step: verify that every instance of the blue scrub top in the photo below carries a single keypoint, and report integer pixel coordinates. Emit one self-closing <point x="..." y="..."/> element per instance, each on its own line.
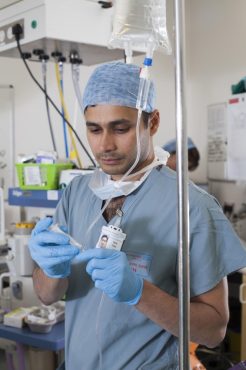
<point x="97" y="327"/>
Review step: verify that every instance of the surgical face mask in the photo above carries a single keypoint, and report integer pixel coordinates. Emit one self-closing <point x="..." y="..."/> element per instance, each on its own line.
<point x="105" y="188"/>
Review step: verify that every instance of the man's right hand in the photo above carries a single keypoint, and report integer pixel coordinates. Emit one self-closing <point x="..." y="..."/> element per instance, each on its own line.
<point x="51" y="251"/>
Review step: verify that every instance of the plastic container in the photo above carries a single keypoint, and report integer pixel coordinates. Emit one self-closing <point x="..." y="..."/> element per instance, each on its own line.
<point x="24" y="228"/>
<point x="43" y="176"/>
<point x="42" y="319"/>
<point x="44" y="327"/>
<point x="19" y="253"/>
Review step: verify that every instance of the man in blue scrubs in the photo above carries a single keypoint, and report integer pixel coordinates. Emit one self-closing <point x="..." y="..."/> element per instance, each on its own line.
<point x="122" y="306"/>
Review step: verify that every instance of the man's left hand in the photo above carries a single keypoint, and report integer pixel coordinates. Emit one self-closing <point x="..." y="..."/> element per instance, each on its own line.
<point x="111" y="272"/>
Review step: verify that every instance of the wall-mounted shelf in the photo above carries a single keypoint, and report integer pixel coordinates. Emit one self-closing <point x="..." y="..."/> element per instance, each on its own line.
<point x="34" y="198"/>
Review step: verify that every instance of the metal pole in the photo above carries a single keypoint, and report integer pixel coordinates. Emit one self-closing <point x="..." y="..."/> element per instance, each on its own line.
<point x="182" y="173"/>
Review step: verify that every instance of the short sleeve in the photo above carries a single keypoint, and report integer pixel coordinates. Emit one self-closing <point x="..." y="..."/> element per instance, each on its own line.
<point x="62" y="209"/>
<point x="215" y="249"/>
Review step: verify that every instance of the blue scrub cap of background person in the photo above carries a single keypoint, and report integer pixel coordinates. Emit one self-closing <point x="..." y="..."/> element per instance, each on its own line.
<point x="116" y="83"/>
<point x="170" y="146"/>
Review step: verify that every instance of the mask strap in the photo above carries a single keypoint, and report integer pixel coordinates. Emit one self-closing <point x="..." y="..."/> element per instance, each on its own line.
<point x="156" y="162"/>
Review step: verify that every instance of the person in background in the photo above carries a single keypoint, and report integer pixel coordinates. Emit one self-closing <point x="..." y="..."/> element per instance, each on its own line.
<point x="193" y="154"/>
<point x="122" y="307"/>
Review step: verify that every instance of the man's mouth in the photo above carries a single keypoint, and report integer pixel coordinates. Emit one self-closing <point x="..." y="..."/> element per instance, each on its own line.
<point x="110" y="160"/>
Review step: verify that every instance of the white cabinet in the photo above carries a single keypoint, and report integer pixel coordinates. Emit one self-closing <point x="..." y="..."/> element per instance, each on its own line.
<point x="65" y="26"/>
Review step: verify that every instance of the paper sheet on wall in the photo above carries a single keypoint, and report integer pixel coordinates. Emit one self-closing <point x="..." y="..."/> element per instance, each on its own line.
<point x="217" y="141"/>
<point x="237" y="140"/>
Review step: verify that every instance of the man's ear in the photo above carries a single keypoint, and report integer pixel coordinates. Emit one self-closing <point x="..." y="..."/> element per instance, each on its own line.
<point x="154" y="122"/>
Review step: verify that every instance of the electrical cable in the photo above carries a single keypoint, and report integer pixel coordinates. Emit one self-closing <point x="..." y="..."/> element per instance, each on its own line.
<point x="75" y="154"/>
<point x="51" y="101"/>
<point x="44" y="71"/>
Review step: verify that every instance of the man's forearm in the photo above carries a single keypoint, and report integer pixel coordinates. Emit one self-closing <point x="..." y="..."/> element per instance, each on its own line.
<point x="48" y="290"/>
<point x="206" y="325"/>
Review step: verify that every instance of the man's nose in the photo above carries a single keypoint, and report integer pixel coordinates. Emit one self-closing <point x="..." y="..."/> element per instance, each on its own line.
<point x="107" y="142"/>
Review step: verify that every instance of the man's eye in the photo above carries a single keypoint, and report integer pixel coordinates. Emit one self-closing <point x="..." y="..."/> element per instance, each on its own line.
<point x="94" y="130"/>
<point x="121" y="130"/>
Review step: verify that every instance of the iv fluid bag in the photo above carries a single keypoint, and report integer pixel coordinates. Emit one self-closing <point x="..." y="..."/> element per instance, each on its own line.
<point x="140" y="23"/>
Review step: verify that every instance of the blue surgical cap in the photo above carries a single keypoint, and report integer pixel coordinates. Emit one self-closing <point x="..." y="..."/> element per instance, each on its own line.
<point x="116" y="83"/>
<point x="170" y="146"/>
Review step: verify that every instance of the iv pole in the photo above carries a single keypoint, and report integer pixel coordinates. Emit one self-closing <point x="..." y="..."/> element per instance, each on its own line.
<point x="183" y="200"/>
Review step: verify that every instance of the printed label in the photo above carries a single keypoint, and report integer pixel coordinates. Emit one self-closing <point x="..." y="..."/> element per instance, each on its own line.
<point x="140" y="263"/>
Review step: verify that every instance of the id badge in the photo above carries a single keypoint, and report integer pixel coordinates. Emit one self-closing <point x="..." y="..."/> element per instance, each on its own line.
<point x="111" y="237"/>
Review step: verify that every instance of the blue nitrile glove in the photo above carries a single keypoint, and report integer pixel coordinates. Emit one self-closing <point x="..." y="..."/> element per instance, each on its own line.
<point x="111" y="272"/>
<point x="50" y="250"/>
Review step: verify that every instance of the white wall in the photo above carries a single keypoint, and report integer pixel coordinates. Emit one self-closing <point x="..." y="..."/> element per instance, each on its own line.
<point x="217" y="54"/>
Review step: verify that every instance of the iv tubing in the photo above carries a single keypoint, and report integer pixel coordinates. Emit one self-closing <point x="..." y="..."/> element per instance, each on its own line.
<point x="125" y="175"/>
<point x="98" y="336"/>
<point x="97" y="218"/>
<point x="66" y="116"/>
<point x="139" y="106"/>
<point x="142" y="97"/>
<point x="183" y="200"/>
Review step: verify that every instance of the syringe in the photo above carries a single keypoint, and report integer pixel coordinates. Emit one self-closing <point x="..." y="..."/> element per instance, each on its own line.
<point x="57" y="229"/>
